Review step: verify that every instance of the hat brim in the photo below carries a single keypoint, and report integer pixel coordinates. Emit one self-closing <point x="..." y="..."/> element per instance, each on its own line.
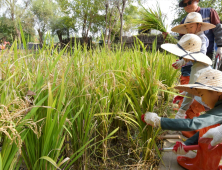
<point x="174" y="49"/>
<point x="182" y="30"/>
<point x="192" y="88"/>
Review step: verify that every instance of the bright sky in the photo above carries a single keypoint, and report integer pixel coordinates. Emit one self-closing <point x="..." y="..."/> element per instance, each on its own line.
<point x="166" y="8"/>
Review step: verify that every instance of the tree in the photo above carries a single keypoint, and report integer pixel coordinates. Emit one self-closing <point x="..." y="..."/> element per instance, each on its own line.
<point x="87" y="14"/>
<point x="121" y="4"/>
<point x="62" y="25"/>
<point x="43" y="11"/>
<point x="111" y="19"/>
<point x="6" y="29"/>
<point x="17" y="12"/>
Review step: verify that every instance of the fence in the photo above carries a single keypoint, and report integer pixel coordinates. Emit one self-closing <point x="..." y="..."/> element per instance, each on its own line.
<point x="146" y="39"/>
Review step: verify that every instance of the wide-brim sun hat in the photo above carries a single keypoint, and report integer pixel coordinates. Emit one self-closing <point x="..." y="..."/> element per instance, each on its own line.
<point x="188" y="47"/>
<point x="181" y="4"/>
<point x="209" y="80"/>
<point x="191" y="18"/>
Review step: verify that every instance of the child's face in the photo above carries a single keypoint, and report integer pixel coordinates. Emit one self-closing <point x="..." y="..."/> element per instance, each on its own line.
<point x="210" y="98"/>
<point x="193" y="28"/>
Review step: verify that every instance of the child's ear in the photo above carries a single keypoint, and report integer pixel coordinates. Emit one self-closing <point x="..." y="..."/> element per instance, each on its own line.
<point x="199" y="25"/>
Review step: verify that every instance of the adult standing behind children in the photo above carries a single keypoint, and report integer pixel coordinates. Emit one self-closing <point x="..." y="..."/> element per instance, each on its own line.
<point x="209" y="15"/>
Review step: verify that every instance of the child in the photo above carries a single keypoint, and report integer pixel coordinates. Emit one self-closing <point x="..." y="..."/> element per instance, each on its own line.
<point x="193" y="24"/>
<point x="208" y="87"/>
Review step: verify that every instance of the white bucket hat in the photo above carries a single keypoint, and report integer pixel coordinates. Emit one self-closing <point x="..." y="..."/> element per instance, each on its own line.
<point x="189" y="48"/>
<point x="209" y="80"/>
<point x="191" y="18"/>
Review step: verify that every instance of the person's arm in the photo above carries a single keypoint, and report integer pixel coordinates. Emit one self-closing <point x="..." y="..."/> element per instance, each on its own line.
<point x="212" y="117"/>
<point x="204" y="45"/>
<point x="187" y="101"/>
<point x="192" y="140"/>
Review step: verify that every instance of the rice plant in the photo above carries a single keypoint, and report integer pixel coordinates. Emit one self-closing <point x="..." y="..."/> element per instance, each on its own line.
<point x="83" y="99"/>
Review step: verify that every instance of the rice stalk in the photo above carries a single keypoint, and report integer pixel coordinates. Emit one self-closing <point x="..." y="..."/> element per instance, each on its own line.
<point x="152" y="18"/>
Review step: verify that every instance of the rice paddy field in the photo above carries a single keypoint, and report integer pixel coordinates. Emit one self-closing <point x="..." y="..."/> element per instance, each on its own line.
<point x="81" y="109"/>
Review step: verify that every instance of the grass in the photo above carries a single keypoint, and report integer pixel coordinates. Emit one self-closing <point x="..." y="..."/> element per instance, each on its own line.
<point x="85" y="100"/>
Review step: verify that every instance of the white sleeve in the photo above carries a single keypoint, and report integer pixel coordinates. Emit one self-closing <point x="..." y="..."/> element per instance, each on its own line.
<point x="187" y="101"/>
<point x="205" y="44"/>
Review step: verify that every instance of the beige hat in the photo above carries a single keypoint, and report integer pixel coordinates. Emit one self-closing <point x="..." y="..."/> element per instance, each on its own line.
<point x="191" y="18"/>
<point x="189" y="48"/>
<point x="209" y="80"/>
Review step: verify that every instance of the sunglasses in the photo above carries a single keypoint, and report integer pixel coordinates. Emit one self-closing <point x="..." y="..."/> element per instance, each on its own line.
<point x="188" y="3"/>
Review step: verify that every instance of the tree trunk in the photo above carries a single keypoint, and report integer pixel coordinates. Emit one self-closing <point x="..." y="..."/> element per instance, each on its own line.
<point x="40" y="36"/>
<point x="121" y="17"/>
<point x="114" y="33"/>
<point x="84" y="26"/>
<point x="110" y="31"/>
<point x="18" y="34"/>
<point x="68" y="33"/>
<point x="107" y="6"/>
<point x="59" y="33"/>
<point x="121" y="27"/>
<point x="85" y="37"/>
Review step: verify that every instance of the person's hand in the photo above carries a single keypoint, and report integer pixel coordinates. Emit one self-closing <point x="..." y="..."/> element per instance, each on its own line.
<point x="164" y="35"/>
<point x="213" y="137"/>
<point x="151" y="119"/>
<point x="178" y="64"/>
<point x="181" y="114"/>
<point x="175" y="99"/>
<point x="178" y="148"/>
<point x="219" y="51"/>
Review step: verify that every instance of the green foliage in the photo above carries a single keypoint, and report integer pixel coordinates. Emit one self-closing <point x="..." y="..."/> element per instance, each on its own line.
<point x="62" y="25"/>
<point x="131" y="12"/>
<point x="6" y="29"/>
<point x="87" y="13"/>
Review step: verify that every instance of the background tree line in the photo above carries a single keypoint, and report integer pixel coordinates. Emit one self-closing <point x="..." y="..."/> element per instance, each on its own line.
<point x="63" y="18"/>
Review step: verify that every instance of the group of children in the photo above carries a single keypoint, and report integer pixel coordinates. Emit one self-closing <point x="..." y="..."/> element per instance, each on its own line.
<point x="203" y="91"/>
